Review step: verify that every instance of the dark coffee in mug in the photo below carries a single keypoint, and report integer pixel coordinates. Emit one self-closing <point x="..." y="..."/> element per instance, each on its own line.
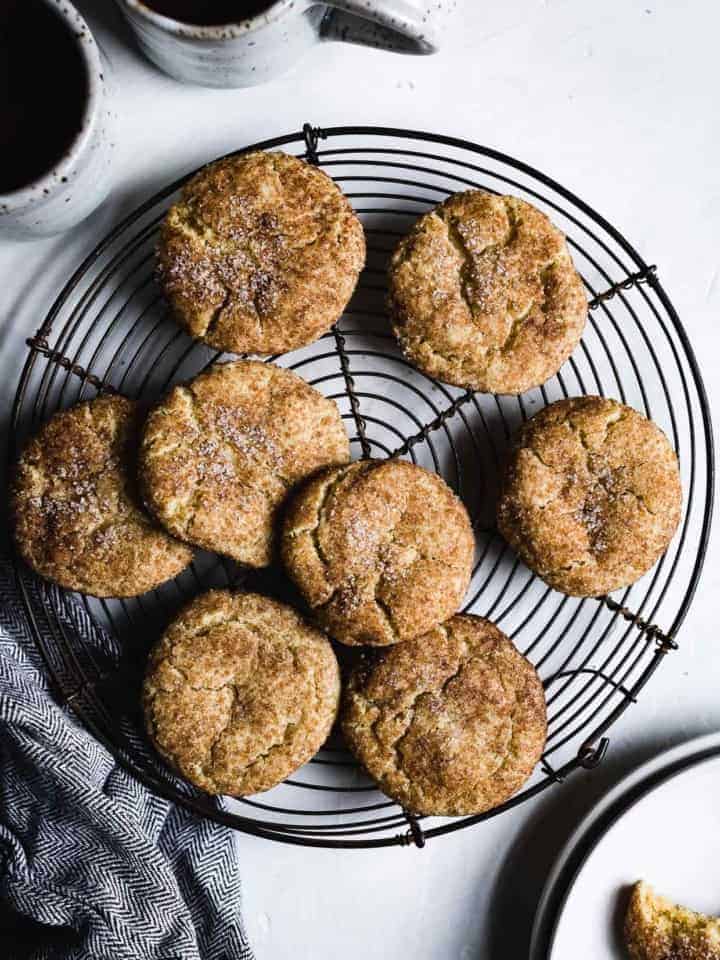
<point x="209" y="13"/>
<point x="43" y="91"/>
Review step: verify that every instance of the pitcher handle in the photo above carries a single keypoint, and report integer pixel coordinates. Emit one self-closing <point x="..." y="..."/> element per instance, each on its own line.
<point x="388" y="24"/>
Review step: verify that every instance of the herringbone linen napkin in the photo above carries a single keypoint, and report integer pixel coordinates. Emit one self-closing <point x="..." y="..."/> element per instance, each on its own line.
<point x="92" y="865"/>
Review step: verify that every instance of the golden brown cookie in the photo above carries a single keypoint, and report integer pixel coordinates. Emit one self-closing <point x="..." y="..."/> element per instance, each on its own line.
<point x="260" y="255"/>
<point x="591" y="496"/>
<point x="75" y="509"/>
<point x="240" y="692"/>
<point x="656" y="929"/>
<point x="484" y="294"/>
<point x="382" y="550"/>
<point x="219" y="455"/>
<point x="451" y="723"/>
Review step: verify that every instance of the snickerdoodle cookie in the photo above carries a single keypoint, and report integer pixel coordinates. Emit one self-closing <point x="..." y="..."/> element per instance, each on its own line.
<point x="483" y="294"/>
<point x="219" y="454"/>
<point x="591" y="496"/>
<point x="382" y="550"/>
<point x="240" y="692"/>
<point x="656" y="929"/>
<point x="77" y="516"/>
<point x="260" y="254"/>
<point x="450" y="723"/>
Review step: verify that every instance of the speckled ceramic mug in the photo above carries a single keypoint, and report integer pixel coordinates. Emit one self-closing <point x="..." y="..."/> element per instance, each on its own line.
<point x="261" y="47"/>
<point x="79" y="181"/>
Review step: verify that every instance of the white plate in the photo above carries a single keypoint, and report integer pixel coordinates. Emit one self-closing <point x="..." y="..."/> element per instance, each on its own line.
<point x="560" y="883"/>
<point x="670" y="836"/>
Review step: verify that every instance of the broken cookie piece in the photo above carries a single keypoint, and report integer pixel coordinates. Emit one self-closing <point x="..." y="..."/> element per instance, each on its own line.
<point x="657" y="929"/>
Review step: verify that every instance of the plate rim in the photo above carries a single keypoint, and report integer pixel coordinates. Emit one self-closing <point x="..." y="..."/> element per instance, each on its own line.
<point x="618" y="800"/>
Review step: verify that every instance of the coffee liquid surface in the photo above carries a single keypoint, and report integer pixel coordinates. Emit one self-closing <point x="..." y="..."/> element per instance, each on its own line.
<point x="210" y="13"/>
<point x="43" y="90"/>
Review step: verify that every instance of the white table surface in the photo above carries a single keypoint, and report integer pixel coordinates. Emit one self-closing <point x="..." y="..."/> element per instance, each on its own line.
<point x="618" y="101"/>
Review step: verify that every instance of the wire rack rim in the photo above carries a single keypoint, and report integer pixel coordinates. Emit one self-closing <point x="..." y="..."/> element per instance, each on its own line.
<point x="595" y="744"/>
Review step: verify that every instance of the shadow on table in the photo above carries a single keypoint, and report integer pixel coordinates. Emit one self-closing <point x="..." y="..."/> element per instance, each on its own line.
<point x="20" y="936"/>
<point x="522" y="876"/>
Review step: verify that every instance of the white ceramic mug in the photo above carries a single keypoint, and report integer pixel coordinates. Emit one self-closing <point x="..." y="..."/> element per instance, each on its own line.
<point x="261" y="47"/>
<point x="69" y="191"/>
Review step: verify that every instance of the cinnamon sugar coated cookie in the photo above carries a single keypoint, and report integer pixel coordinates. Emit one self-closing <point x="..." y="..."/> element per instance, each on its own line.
<point x="484" y="294"/>
<point x="591" y="496"/>
<point x="450" y="724"/>
<point x="260" y="254"/>
<point x="382" y="550"/>
<point x="76" y="513"/>
<point x="219" y="455"/>
<point x="656" y="929"/>
<point x="240" y="692"/>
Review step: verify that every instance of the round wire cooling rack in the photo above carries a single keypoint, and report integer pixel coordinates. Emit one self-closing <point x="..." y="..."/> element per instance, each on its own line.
<point x="109" y="330"/>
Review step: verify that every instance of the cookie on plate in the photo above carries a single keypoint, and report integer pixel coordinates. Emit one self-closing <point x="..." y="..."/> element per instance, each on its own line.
<point x="382" y="550"/>
<point x="452" y="723"/>
<point x="656" y="929"/>
<point x="260" y="254"/>
<point x="219" y="455"/>
<point x="484" y="294"/>
<point x="240" y="692"/>
<point x="76" y="513"/>
<point x="591" y="496"/>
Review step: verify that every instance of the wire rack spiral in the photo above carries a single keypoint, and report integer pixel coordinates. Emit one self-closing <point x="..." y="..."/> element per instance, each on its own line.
<point x="109" y="330"/>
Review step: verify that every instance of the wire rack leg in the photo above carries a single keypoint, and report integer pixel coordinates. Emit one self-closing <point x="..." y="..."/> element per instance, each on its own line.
<point x="647" y="275"/>
<point x="415" y="833"/>
<point x="435" y="424"/>
<point x="40" y="345"/>
<point x="311" y="136"/>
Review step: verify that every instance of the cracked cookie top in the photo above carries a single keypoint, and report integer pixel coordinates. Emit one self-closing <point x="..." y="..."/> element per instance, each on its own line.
<point x="449" y="724"/>
<point x="219" y="455"/>
<point x="240" y="692"/>
<point x="260" y="255"/>
<point x="484" y="294"/>
<point x="382" y="550"/>
<point x="76" y="512"/>
<point x="591" y="496"/>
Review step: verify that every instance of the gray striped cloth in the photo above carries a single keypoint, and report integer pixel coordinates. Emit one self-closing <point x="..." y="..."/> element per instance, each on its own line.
<point x="92" y="865"/>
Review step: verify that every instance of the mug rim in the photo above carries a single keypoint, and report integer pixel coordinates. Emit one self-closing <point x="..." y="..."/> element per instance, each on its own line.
<point x="82" y="37"/>
<point x="222" y="31"/>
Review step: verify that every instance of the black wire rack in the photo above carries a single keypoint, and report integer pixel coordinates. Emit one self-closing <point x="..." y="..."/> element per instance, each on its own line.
<point x="108" y="330"/>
